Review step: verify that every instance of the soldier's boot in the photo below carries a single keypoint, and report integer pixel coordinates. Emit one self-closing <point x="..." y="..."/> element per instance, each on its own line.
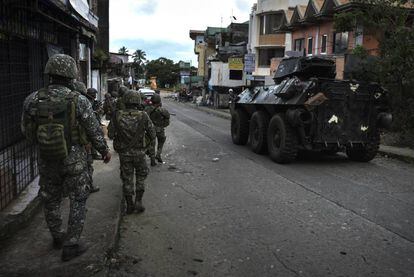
<point x="130" y="204"/>
<point x="153" y="163"/>
<point x="139" y="208"/>
<point x="72" y="251"/>
<point x="59" y="239"/>
<point x="159" y="159"/>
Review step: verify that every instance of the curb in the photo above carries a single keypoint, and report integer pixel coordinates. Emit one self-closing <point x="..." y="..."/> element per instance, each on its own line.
<point x="386" y="153"/>
<point x="400" y="157"/>
<point x="12" y="221"/>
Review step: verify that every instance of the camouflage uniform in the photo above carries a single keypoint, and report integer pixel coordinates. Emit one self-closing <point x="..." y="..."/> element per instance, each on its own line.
<point x="80" y="87"/>
<point x="109" y="105"/>
<point x="67" y="177"/>
<point x="130" y="128"/>
<point x="120" y="105"/>
<point x="161" y="119"/>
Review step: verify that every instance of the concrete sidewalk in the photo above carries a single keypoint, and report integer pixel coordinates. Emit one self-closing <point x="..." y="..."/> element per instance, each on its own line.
<point x="403" y="154"/>
<point x="29" y="252"/>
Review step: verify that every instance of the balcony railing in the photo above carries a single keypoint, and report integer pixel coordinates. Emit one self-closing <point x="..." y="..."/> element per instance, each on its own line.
<point x="272" y="40"/>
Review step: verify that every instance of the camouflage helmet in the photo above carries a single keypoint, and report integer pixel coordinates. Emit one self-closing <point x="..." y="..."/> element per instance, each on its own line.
<point x="156" y="99"/>
<point x="91" y="93"/>
<point x="122" y="90"/>
<point x="79" y="87"/>
<point x="132" y="98"/>
<point x="62" y="65"/>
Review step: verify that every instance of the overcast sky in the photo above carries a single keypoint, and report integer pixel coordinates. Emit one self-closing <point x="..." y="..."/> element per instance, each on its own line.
<point x="161" y="27"/>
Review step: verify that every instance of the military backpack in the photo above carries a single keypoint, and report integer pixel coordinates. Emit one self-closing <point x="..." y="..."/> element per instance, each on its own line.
<point x="55" y="128"/>
<point x="130" y="130"/>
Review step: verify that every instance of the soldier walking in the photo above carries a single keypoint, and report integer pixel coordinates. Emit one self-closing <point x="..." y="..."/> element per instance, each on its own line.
<point x="161" y="119"/>
<point x="132" y="130"/>
<point x="61" y="121"/>
<point x="91" y="152"/>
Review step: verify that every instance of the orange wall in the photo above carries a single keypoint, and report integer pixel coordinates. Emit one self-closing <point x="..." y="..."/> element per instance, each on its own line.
<point x="369" y="41"/>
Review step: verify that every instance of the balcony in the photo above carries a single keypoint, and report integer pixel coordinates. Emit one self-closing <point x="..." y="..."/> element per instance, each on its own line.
<point x="272" y="40"/>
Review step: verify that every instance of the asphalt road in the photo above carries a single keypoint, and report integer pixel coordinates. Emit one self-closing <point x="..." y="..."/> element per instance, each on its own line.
<point x="217" y="209"/>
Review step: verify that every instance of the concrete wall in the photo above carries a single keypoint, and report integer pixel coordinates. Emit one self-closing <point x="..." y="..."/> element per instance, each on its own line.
<point x="220" y="76"/>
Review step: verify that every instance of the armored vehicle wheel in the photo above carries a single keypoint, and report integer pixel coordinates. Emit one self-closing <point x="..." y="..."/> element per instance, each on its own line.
<point x="282" y="140"/>
<point x="239" y="127"/>
<point x="258" y="132"/>
<point x="366" y="152"/>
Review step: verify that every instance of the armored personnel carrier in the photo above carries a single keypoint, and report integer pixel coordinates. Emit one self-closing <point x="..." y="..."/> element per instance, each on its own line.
<point x="308" y="109"/>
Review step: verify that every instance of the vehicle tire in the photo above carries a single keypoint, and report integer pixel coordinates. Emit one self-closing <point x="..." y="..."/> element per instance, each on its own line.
<point x="239" y="127"/>
<point x="258" y="132"/>
<point x="282" y="141"/>
<point x="366" y="152"/>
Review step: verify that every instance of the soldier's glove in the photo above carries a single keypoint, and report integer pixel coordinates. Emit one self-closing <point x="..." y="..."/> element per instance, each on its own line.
<point x="106" y="157"/>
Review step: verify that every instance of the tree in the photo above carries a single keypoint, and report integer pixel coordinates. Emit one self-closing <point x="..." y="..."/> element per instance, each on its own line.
<point x="139" y="58"/>
<point x="166" y="71"/>
<point x="123" y="50"/>
<point x="392" y="24"/>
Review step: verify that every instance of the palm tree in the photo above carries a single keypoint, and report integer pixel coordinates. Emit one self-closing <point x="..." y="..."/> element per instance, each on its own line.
<point x="123" y="50"/>
<point x="139" y="56"/>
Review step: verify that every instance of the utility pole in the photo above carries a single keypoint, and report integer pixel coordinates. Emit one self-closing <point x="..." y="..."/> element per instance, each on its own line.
<point x="189" y="85"/>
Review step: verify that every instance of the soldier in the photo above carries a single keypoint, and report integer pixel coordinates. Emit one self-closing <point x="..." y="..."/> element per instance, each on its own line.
<point x="161" y="119"/>
<point x="91" y="152"/>
<point x="109" y="105"/>
<point x="120" y="102"/>
<point x="60" y="120"/>
<point x="132" y="130"/>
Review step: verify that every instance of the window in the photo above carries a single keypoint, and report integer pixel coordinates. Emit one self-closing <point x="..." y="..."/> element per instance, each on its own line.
<point x="310" y="46"/>
<point x="269" y="23"/>
<point x="340" y="43"/>
<point x="262" y="24"/>
<point x="324" y="44"/>
<point x="265" y="55"/>
<point x="236" y="75"/>
<point x="299" y="44"/>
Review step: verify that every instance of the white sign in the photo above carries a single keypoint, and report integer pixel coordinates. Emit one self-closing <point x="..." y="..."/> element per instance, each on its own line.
<point x="249" y="62"/>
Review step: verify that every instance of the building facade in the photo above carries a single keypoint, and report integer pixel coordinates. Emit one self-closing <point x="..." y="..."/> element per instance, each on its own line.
<point x="265" y="42"/>
<point x="31" y="32"/>
<point x="313" y="32"/>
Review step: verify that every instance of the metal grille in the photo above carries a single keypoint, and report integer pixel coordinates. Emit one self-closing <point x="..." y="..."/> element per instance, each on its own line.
<point x="19" y="76"/>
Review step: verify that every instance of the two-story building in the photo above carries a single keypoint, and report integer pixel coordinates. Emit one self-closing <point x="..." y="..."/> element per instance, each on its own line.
<point x="313" y="33"/>
<point x="265" y="42"/>
<point x="221" y="59"/>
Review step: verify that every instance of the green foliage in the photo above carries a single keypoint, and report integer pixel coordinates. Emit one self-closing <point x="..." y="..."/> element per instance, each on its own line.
<point x="123" y="50"/>
<point x="390" y="22"/>
<point x="139" y="58"/>
<point x="100" y="58"/>
<point x="360" y="52"/>
<point x="166" y="71"/>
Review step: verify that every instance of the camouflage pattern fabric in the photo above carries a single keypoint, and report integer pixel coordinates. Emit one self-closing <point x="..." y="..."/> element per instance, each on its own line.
<point x="130" y="165"/>
<point x="62" y="65"/>
<point x="109" y="106"/>
<point x="128" y="139"/>
<point x="70" y="176"/>
<point x="133" y="126"/>
<point x="159" y="143"/>
<point x="161" y="119"/>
